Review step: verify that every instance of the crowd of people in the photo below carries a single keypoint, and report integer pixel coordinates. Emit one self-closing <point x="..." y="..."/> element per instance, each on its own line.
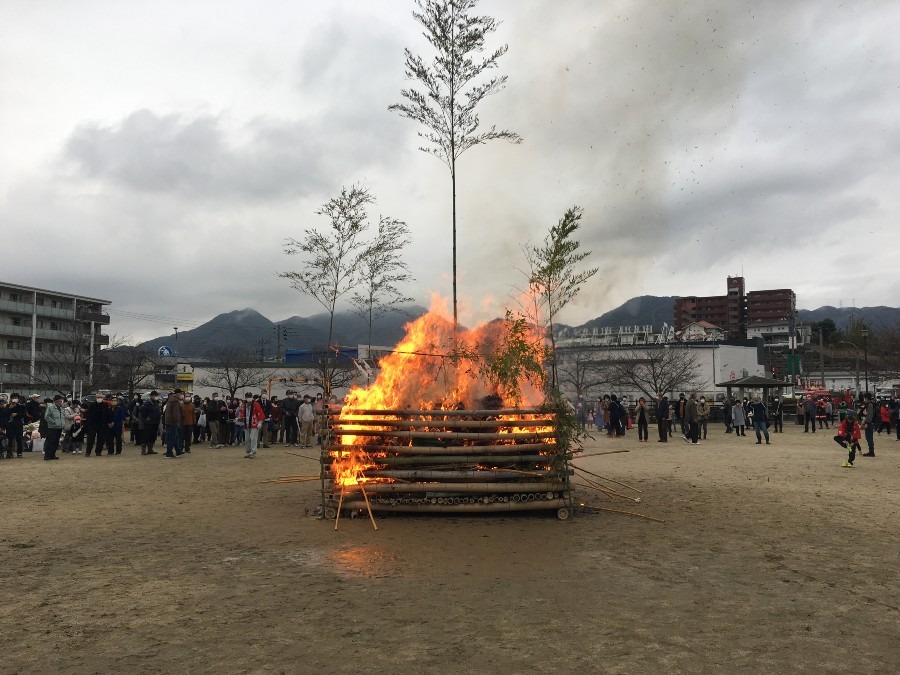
<point x="690" y="415"/>
<point x="178" y="421"/>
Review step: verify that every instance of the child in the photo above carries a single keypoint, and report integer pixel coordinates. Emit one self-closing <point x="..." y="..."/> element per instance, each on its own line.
<point x="76" y="434"/>
<point x="849" y="434"/>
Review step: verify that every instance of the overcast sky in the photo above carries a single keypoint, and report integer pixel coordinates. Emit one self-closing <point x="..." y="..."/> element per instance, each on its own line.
<point x="158" y="154"/>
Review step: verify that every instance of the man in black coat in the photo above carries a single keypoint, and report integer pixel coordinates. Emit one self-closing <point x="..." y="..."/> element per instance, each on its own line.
<point x="97" y="420"/>
<point x="150" y="415"/>
<point x="662" y="420"/>
<point x="14" y="427"/>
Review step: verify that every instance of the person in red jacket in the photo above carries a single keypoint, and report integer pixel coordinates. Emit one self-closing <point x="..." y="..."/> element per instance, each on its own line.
<point x="885" y="417"/>
<point x="849" y="434"/>
<point x="251" y="412"/>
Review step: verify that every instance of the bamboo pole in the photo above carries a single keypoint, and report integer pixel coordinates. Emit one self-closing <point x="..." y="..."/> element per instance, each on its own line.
<point x="369" y="507"/>
<point x="452" y="435"/>
<point x="541" y="505"/>
<point x="492" y="460"/>
<point x="608" y="479"/>
<point x="597" y="454"/>
<point x="608" y="490"/>
<point x="337" y="517"/>
<point x="446" y="450"/>
<point x="297" y="454"/>
<point x="347" y="423"/>
<point x="337" y="412"/>
<point x="459" y="475"/>
<point x="627" y="513"/>
<point x="483" y="488"/>
<point x="605" y="478"/>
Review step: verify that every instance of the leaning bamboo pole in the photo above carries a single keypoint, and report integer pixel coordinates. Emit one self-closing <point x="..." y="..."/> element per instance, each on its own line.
<point x="350" y="424"/>
<point x="456" y="475"/>
<point x="448" y="450"/>
<point x="489" y="460"/>
<point x="337" y="412"/>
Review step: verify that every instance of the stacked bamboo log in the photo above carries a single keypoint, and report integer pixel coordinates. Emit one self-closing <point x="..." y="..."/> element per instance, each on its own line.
<point x="444" y="461"/>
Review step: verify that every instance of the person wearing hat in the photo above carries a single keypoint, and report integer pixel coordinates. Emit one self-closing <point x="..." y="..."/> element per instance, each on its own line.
<point x="56" y="422"/>
<point x="33" y="410"/>
<point x="149" y="417"/>
<point x="848" y="435"/>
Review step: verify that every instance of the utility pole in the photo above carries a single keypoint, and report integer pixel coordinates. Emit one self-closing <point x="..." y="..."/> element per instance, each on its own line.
<point x="262" y="348"/>
<point x="281" y="336"/>
<point x="792" y="329"/>
<point x="865" y="337"/>
<point x="822" y="355"/>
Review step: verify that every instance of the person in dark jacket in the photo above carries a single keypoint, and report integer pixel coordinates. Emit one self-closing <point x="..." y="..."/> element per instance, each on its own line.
<point x="777" y="414"/>
<point x="692" y="420"/>
<point x="868" y="425"/>
<point x="118" y="413"/>
<point x="760" y="420"/>
<point x="150" y="416"/>
<point x="15" y="425"/>
<point x="662" y="420"/>
<point x="97" y="419"/>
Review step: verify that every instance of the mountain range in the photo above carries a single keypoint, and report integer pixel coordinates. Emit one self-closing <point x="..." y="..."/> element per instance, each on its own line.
<point x="250" y="331"/>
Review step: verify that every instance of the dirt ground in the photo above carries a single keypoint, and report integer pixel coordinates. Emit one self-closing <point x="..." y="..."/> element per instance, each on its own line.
<point x="771" y="559"/>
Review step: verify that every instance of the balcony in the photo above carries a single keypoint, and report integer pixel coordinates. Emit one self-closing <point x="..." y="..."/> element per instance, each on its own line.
<point x="7" y="355"/>
<point x="97" y="316"/>
<point x="54" y="312"/>
<point x="16" y="307"/>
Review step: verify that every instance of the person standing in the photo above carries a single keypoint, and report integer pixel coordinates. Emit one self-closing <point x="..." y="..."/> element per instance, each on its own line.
<point x="662" y="420"/>
<point x="95" y="421"/>
<point x="703" y="413"/>
<point x="56" y="422"/>
<point x="307" y="416"/>
<point x="642" y="418"/>
<point x="212" y="419"/>
<point x="738" y="421"/>
<point x="117" y="408"/>
<point x="726" y="411"/>
<point x="253" y="416"/>
<point x="777" y="415"/>
<point x="680" y="409"/>
<point x="16" y="426"/>
<point x="290" y="409"/>
<point x="760" y="420"/>
<point x="809" y="414"/>
<point x="173" y="418"/>
<point x="150" y="417"/>
<point x="189" y="414"/>
<point x="692" y="420"/>
<point x="869" y="424"/>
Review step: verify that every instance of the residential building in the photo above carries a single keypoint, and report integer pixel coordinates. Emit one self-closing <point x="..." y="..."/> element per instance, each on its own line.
<point x="48" y="339"/>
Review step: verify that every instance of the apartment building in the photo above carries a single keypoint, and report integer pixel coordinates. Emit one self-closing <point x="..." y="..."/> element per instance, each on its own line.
<point x="48" y="339"/>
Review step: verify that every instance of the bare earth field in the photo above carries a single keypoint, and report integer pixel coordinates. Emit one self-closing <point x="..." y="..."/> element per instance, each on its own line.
<point x="772" y="559"/>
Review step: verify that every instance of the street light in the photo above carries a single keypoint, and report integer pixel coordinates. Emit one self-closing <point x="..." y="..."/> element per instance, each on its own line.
<point x="856" y="347"/>
<point x="865" y="337"/>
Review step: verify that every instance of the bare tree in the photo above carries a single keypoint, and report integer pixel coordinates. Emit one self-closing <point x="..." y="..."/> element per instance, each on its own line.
<point x="332" y="262"/>
<point x="69" y="358"/>
<point x="129" y="368"/>
<point x="580" y="371"/>
<point x="552" y="275"/>
<point x="382" y="271"/>
<point x="453" y="87"/>
<point x="233" y="369"/>
<point x="656" y="371"/>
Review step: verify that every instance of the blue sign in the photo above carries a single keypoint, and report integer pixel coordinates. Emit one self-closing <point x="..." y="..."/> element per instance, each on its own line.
<point x="165" y="351"/>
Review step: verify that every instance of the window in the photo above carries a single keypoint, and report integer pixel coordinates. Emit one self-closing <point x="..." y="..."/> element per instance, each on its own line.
<point x="16" y="321"/>
<point x="54" y="304"/>
<point x="14" y="297"/>
<point x="40" y="323"/>
<point x="38" y="347"/>
<point x="9" y="367"/>
<point x="40" y="301"/>
<point x="10" y="344"/>
<point x="54" y="325"/>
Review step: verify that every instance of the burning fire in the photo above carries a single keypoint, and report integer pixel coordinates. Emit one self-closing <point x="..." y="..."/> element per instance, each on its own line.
<point x="421" y="374"/>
